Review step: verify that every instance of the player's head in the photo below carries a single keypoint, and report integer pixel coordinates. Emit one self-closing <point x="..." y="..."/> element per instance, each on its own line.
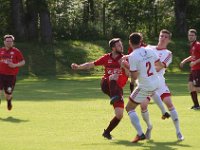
<point x="116" y="45"/>
<point x="192" y="35"/>
<point x="135" y="39"/>
<point x="8" y="41"/>
<point x="165" y="36"/>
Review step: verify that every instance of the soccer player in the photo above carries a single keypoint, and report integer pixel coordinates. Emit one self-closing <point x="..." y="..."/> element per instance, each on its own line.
<point x="142" y="67"/>
<point x="194" y="59"/>
<point x="10" y="60"/>
<point x="163" y="92"/>
<point x="158" y="101"/>
<point x="112" y="82"/>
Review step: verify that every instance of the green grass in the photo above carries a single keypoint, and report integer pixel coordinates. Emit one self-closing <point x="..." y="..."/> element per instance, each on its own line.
<point x="70" y="113"/>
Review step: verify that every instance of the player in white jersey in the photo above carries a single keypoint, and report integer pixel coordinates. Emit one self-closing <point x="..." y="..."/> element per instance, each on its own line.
<point x="163" y="92"/>
<point x="142" y="68"/>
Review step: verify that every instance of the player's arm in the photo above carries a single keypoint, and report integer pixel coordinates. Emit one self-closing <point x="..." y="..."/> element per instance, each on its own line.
<point x="126" y="67"/>
<point x="19" y="64"/>
<point x="84" y="66"/>
<point x="159" y="65"/>
<point x="194" y="62"/>
<point x="134" y="75"/>
<point x="188" y="59"/>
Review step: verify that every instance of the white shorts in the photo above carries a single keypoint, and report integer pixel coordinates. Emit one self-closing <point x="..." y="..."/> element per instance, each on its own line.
<point x="163" y="91"/>
<point x="139" y="95"/>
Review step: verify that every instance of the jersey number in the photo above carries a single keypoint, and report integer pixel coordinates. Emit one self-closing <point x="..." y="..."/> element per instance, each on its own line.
<point x="148" y="65"/>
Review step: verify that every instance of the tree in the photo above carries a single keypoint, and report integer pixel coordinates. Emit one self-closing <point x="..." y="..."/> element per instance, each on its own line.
<point x="18" y="19"/>
<point x="180" y="16"/>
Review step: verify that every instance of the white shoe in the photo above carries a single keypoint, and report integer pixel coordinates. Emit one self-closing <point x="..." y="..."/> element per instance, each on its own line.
<point x="148" y="133"/>
<point x="180" y="137"/>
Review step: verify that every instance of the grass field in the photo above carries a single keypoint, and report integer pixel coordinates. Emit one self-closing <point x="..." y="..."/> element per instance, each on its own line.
<point x="70" y="113"/>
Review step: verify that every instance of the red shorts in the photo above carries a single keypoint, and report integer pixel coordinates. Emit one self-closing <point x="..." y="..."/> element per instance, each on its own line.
<point x="7" y="82"/>
<point x="194" y="77"/>
<point x="112" y="89"/>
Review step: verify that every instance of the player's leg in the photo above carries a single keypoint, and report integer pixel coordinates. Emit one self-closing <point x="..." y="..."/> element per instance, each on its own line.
<point x="192" y="90"/>
<point x="135" y="99"/>
<point x="157" y="99"/>
<point x="145" y="116"/>
<point x="116" y="95"/>
<point x="174" y="116"/>
<point x="8" y="88"/>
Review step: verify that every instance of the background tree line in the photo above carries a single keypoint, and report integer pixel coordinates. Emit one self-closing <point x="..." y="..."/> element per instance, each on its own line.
<point x="44" y="20"/>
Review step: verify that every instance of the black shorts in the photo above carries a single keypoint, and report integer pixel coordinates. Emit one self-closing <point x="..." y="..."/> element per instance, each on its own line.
<point x="7" y="82"/>
<point x="194" y="77"/>
<point x="112" y="89"/>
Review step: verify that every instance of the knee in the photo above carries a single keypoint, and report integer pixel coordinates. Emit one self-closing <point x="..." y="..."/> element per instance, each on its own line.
<point x="119" y="116"/>
<point x="8" y="97"/>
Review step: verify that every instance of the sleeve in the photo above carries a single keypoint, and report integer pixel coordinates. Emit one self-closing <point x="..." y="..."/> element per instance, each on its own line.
<point x="133" y="63"/>
<point x="20" y="57"/>
<point x="101" y="61"/>
<point x="168" y="59"/>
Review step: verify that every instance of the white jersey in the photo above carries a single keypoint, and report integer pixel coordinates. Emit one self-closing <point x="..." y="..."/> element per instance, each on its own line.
<point x="143" y="61"/>
<point x="165" y="57"/>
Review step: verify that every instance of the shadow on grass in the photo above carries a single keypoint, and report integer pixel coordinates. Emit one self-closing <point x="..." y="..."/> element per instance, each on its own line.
<point x="151" y="145"/>
<point x="13" y="120"/>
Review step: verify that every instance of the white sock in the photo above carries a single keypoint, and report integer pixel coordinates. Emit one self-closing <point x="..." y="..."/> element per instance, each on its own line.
<point x="175" y="119"/>
<point x="135" y="121"/>
<point x="159" y="103"/>
<point x="145" y="116"/>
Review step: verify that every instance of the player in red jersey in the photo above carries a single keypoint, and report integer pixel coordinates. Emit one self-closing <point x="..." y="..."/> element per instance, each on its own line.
<point x="112" y="82"/>
<point x="194" y="59"/>
<point x="10" y="60"/>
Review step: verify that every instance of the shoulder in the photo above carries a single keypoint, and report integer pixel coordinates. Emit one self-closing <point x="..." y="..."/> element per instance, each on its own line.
<point x="16" y="49"/>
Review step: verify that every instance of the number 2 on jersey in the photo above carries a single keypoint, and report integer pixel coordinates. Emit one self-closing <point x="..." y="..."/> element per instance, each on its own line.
<point x="148" y="65"/>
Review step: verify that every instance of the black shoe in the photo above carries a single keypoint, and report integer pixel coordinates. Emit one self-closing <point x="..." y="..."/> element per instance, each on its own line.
<point x="107" y="135"/>
<point x="166" y="115"/>
<point x="9" y="104"/>
<point x="195" y="107"/>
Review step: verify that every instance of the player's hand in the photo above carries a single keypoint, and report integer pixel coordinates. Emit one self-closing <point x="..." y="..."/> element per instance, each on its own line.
<point x="74" y="66"/>
<point x="192" y="63"/>
<point x="125" y="64"/>
<point x="114" y="77"/>
<point x="12" y="65"/>
<point x="181" y="65"/>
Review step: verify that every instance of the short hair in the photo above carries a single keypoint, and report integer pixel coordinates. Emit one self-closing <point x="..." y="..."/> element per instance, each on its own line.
<point x="8" y="36"/>
<point x="192" y="31"/>
<point x="167" y="32"/>
<point x="113" y="41"/>
<point x="135" y="38"/>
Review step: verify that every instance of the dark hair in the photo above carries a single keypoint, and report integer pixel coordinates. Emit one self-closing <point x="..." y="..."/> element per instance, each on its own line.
<point x="193" y="31"/>
<point x="167" y="32"/>
<point x="135" y="38"/>
<point x="8" y="36"/>
<point x="113" y="41"/>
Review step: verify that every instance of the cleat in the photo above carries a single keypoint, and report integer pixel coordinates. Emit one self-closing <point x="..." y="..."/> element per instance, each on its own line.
<point x="148" y="133"/>
<point x="107" y="135"/>
<point x="9" y="104"/>
<point x="138" y="138"/>
<point x="180" y="137"/>
<point x="166" y="115"/>
<point x="195" y="107"/>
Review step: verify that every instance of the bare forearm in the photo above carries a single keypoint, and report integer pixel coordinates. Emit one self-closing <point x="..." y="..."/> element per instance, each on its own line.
<point x="21" y="63"/>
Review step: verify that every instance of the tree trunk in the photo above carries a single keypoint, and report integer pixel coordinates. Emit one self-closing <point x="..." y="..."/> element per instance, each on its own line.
<point x="45" y="24"/>
<point x="180" y="16"/>
<point x="32" y="20"/>
<point x="18" y="22"/>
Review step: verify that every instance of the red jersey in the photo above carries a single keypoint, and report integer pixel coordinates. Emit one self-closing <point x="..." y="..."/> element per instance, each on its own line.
<point x="112" y="66"/>
<point x="12" y="55"/>
<point x="195" y="53"/>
